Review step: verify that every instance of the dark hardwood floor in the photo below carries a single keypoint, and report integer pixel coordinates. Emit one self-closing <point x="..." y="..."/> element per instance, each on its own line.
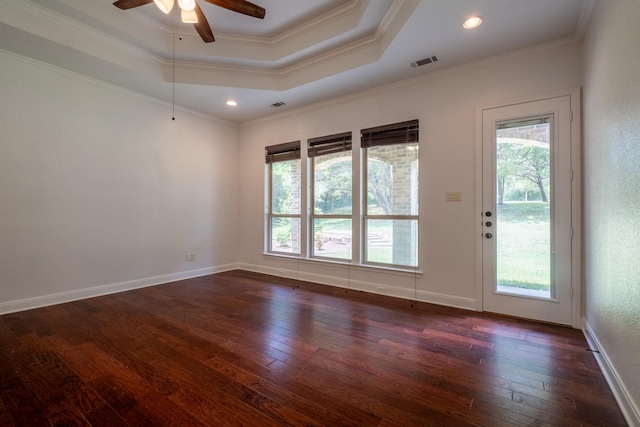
<point x="245" y="349"/>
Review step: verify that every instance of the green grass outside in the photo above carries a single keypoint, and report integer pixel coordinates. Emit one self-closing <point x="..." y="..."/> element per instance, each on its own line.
<point x="523" y="238"/>
<point x="382" y="255"/>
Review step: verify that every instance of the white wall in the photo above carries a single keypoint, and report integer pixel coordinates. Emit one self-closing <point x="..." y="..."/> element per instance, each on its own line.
<point x="446" y="105"/>
<point x="101" y="191"/>
<point x="611" y="195"/>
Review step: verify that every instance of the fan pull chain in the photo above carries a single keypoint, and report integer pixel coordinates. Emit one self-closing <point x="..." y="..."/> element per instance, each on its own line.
<point x="173" y="80"/>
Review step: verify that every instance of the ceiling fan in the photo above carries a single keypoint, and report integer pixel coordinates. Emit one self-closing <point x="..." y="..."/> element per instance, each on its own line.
<point x="192" y="14"/>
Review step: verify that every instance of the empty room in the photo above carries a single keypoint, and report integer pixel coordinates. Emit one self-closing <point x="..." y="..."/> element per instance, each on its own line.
<point x="319" y="213"/>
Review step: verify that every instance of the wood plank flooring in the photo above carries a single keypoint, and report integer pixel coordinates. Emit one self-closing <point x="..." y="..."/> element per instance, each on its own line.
<point x="245" y="349"/>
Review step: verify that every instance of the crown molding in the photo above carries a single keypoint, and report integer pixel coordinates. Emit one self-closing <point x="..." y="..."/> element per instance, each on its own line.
<point x="260" y="72"/>
<point x="111" y="86"/>
<point x="41" y="22"/>
<point x="585" y="18"/>
<point x="412" y="81"/>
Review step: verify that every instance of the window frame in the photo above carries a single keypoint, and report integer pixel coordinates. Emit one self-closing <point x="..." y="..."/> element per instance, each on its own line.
<point x="289" y="151"/>
<point x="360" y="217"/>
<point x="318" y="147"/>
<point x="391" y="134"/>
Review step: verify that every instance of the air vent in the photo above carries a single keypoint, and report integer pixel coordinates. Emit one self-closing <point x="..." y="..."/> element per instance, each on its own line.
<point x="277" y="104"/>
<point x="424" y="61"/>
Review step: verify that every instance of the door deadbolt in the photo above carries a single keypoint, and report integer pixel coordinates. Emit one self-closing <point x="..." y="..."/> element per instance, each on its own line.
<point x="488" y="235"/>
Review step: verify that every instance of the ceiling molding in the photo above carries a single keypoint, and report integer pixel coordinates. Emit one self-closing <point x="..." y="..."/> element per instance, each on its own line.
<point x="427" y="78"/>
<point x="309" y="52"/>
<point x="263" y="72"/>
<point x="228" y="48"/>
<point x="102" y="83"/>
<point x="41" y="22"/>
<point x="354" y="9"/>
<point x="360" y="52"/>
<point x="584" y="19"/>
<point x="320" y="33"/>
<point x="325" y="32"/>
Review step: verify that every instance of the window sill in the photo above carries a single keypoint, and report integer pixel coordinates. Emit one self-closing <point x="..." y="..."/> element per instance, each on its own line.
<point x="408" y="271"/>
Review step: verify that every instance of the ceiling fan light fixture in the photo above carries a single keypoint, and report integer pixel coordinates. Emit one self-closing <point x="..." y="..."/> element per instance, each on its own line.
<point x="189" y="16"/>
<point x="200" y="22"/>
<point x="187" y="5"/>
<point x="164" y="5"/>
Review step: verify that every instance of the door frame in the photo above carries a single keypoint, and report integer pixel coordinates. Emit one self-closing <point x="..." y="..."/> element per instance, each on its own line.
<point x="576" y="197"/>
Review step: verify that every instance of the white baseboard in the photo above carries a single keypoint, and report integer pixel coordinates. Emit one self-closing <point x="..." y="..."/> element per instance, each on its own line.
<point x="375" y="288"/>
<point x="62" y="297"/>
<point x="628" y="407"/>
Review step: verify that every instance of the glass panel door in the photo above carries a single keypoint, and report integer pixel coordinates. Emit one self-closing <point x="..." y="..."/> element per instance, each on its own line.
<point x="526" y="210"/>
<point x="524" y="197"/>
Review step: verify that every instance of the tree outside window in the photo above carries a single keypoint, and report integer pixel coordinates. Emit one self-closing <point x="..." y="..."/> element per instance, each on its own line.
<point x="283" y="165"/>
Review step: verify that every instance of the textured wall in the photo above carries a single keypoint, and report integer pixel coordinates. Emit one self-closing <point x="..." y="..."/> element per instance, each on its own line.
<point x="98" y="186"/>
<point x="611" y="185"/>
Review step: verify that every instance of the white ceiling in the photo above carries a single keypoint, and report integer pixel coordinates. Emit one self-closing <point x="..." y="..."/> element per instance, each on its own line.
<point x="303" y="52"/>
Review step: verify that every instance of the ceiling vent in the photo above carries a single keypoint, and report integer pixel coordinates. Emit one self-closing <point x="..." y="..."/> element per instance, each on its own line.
<point x="277" y="104"/>
<point x="424" y="61"/>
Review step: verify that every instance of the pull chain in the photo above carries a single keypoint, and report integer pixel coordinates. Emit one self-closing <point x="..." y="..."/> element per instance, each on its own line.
<point x="173" y="80"/>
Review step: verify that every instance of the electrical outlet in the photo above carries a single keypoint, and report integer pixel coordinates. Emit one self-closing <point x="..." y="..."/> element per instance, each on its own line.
<point x="192" y="256"/>
<point x="186" y="257"/>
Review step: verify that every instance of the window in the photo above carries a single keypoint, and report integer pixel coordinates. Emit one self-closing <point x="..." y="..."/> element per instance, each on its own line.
<point x="390" y="228"/>
<point x="283" y="208"/>
<point x="331" y="196"/>
<point x="368" y="218"/>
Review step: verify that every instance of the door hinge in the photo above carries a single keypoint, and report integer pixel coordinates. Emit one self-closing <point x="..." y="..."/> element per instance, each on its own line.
<point x="571" y="232"/>
<point x="571" y="287"/>
<point x="571" y="174"/>
<point x="570" y="116"/>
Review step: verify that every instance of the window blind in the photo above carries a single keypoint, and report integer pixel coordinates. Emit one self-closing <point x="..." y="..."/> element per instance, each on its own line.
<point x="329" y="144"/>
<point x="396" y="133"/>
<point x="532" y="122"/>
<point x="282" y="152"/>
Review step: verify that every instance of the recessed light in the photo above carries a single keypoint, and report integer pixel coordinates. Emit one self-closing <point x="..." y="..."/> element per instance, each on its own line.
<point x="473" y="22"/>
<point x="232" y="103"/>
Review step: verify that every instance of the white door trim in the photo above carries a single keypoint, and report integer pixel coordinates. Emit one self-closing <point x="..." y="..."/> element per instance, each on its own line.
<point x="576" y="196"/>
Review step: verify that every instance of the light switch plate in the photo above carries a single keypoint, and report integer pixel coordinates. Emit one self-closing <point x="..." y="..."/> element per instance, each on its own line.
<point x="454" y="196"/>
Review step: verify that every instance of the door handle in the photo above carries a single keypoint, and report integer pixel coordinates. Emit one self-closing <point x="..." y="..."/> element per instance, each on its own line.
<point x="488" y="235"/>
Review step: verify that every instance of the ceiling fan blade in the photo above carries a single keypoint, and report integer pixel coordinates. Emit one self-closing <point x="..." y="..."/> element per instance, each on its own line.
<point x="130" y="4"/>
<point x="202" y="26"/>
<point x="240" y="6"/>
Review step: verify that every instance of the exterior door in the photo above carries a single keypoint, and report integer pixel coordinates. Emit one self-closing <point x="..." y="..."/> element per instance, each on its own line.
<point x="526" y="210"/>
